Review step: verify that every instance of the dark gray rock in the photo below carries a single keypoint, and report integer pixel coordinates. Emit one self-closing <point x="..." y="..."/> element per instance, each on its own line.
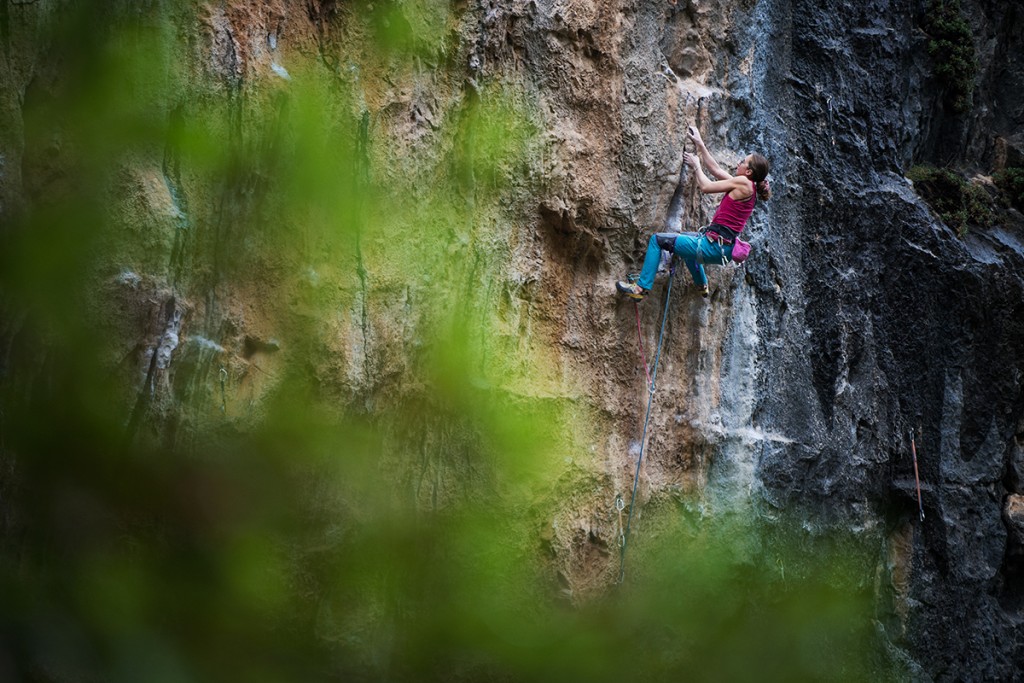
<point x="895" y="323"/>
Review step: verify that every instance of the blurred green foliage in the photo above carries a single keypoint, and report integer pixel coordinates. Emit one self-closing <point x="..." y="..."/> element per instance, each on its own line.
<point x="957" y="202"/>
<point x="386" y="527"/>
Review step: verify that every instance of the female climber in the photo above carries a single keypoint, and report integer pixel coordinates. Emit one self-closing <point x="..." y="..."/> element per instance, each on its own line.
<point x="713" y="244"/>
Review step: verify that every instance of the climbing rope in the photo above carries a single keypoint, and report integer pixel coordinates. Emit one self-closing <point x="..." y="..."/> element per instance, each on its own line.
<point x="917" y="479"/>
<point x="640" y="338"/>
<point x="647" y="420"/>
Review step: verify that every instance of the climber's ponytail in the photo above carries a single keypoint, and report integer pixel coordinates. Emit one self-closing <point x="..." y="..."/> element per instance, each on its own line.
<point x="759" y="167"/>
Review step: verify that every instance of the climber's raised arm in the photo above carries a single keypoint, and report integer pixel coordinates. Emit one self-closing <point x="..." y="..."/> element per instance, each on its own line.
<point x="705" y="155"/>
<point x="737" y="186"/>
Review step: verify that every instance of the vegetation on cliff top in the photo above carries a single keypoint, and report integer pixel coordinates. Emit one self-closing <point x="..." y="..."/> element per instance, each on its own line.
<point x="958" y="203"/>
<point x="951" y="47"/>
<point x="1011" y="182"/>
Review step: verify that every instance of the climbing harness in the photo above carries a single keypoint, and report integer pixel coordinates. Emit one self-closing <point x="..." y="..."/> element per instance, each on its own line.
<point x="917" y="479"/>
<point x="714" y="238"/>
<point x="647" y="419"/>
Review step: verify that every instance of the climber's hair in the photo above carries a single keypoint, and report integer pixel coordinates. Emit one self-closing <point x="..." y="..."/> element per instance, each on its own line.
<point x="759" y="168"/>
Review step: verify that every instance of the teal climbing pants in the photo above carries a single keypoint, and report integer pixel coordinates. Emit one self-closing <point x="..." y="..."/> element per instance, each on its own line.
<point x="695" y="249"/>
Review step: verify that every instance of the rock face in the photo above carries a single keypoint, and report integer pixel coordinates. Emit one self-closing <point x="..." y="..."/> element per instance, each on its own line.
<point x="888" y="331"/>
<point x="860" y="319"/>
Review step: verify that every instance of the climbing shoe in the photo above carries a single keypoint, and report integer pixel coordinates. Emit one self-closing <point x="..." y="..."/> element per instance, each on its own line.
<point x="704" y="291"/>
<point x="631" y="289"/>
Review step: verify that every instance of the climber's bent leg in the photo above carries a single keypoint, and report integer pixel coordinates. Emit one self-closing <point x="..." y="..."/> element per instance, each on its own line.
<point x="658" y="241"/>
<point x="688" y="247"/>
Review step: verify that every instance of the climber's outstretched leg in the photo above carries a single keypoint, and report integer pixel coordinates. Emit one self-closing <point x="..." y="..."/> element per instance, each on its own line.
<point x="692" y="247"/>
<point x="658" y="242"/>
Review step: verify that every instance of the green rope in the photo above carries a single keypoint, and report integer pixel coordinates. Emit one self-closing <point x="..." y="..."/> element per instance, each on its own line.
<point x="647" y="419"/>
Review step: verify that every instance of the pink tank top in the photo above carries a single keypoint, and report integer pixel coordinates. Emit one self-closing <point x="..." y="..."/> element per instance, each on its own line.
<point x="733" y="214"/>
